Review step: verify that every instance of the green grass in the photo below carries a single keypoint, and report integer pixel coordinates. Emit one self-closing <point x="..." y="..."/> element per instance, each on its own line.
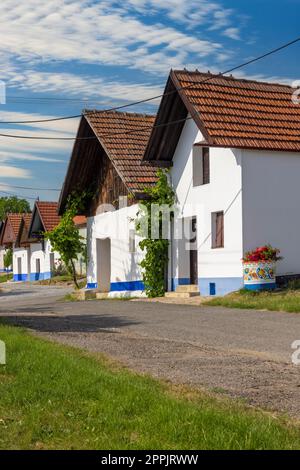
<point x="5" y="277"/>
<point x="285" y="300"/>
<point x="54" y="397"/>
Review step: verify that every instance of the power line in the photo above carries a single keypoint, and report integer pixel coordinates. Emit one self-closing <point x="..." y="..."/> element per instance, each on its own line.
<point x="105" y="134"/>
<point x="27" y="187"/>
<point x="146" y="100"/>
<point x="18" y="195"/>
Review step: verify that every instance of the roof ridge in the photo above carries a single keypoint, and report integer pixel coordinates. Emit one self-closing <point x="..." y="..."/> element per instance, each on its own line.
<point x="121" y="113"/>
<point x="232" y="78"/>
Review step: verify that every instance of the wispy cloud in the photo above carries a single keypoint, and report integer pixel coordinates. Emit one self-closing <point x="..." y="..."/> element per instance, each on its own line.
<point x="14" y="172"/>
<point x="101" y="33"/>
<point x="94" y="90"/>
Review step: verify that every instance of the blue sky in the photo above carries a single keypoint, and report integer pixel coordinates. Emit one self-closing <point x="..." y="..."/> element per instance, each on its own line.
<point x="98" y="54"/>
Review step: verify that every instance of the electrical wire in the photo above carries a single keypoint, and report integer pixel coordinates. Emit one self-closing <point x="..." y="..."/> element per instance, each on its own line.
<point x="146" y="100"/>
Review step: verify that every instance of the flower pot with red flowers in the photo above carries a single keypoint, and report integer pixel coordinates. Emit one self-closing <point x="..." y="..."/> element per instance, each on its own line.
<point x="260" y="268"/>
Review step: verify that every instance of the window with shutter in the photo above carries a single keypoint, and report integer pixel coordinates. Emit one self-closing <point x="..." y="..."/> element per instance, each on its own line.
<point x="201" y="170"/>
<point x="217" y="231"/>
<point x="205" y="165"/>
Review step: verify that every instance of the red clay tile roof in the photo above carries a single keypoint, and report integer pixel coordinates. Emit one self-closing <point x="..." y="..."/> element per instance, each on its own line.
<point x="27" y="220"/>
<point x="15" y="220"/>
<point x="80" y="220"/>
<point x="242" y="113"/>
<point x="48" y="214"/>
<point x="126" y="148"/>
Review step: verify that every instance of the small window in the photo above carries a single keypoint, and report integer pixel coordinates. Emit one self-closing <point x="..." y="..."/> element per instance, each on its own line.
<point x="201" y="170"/>
<point x="131" y="241"/>
<point x="217" y="229"/>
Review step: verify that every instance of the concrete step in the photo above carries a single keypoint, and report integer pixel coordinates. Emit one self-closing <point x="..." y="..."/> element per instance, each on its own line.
<point x="181" y="295"/>
<point x="188" y="288"/>
<point x="102" y="295"/>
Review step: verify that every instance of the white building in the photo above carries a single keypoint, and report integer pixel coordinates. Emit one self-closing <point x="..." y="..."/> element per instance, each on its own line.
<point x="9" y="234"/>
<point x="233" y="147"/>
<point x="42" y="258"/>
<point x="112" y="169"/>
<point x="2" y="249"/>
<point x="21" y="251"/>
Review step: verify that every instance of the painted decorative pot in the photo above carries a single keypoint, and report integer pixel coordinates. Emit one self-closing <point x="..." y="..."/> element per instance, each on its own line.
<point x="260" y="275"/>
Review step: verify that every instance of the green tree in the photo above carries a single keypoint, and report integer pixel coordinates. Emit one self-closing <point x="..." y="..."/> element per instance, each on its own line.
<point x="12" y="204"/>
<point x="8" y="259"/>
<point x="65" y="238"/>
<point x="155" y="261"/>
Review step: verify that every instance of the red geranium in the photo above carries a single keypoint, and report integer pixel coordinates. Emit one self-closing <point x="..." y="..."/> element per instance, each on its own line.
<point x="262" y="253"/>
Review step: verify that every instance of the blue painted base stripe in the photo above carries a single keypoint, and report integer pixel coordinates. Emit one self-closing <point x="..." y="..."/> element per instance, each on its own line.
<point x="120" y="286"/>
<point x="127" y="286"/>
<point x="39" y="276"/>
<point x="20" y="277"/>
<point x="260" y="287"/>
<point x="92" y="285"/>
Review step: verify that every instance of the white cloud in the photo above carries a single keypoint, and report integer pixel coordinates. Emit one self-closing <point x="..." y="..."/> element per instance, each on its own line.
<point x="14" y="172"/>
<point x="102" y="33"/>
<point x="232" y="33"/>
<point x="11" y="156"/>
<point x="95" y="90"/>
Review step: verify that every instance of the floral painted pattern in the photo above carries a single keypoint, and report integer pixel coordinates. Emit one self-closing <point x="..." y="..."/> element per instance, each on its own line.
<point x="259" y="273"/>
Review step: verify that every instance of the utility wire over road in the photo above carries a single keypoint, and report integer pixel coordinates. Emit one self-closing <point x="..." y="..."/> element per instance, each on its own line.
<point x="146" y="100"/>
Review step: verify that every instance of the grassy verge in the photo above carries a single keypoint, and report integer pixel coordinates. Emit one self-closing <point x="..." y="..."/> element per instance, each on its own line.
<point x="286" y="300"/>
<point x="54" y="397"/>
<point x="5" y="277"/>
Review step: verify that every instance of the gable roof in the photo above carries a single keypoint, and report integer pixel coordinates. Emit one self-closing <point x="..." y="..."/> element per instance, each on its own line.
<point x="23" y="229"/>
<point x="47" y="214"/>
<point x="229" y="112"/>
<point x="12" y="225"/>
<point x="123" y="137"/>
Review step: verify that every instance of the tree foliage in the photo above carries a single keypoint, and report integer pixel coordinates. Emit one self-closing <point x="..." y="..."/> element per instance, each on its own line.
<point x="155" y="261"/>
<point x="8" y="258"/>
<point x="65" y="238"/>
<point x="12" y="204"/>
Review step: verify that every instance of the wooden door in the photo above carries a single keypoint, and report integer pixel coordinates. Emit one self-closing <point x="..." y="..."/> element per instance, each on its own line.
<point x="194" y="253"/>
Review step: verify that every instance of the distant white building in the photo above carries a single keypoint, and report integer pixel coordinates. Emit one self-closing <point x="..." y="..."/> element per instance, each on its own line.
<point x="233" y="149"/>
<point x="2" y="248"/>
<point x="9" y="233"/>
<point x="42" y="257"/>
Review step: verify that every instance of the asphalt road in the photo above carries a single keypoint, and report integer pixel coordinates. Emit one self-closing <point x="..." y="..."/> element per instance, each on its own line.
<point x="245" y="354"/>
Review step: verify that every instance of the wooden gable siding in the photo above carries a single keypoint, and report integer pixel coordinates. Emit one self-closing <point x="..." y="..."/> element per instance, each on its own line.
<point x="24" y="241"/>
<point x="8" y="236"/>
<point x="109" y="184"/>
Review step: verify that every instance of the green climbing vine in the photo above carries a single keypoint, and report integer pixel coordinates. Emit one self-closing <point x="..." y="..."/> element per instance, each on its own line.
<point x="155" y="261"/>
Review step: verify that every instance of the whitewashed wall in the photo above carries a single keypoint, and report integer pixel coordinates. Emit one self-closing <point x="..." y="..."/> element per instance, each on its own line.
<point x="21" y="269"/>
<point x="223" y="266"/>
<point x="123" y="270"/>
<point x="271" y="197"/>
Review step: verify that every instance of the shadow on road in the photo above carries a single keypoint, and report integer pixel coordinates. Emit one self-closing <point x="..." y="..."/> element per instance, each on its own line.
<point x="7" y="294"/>
<point x="69" y="323"/>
